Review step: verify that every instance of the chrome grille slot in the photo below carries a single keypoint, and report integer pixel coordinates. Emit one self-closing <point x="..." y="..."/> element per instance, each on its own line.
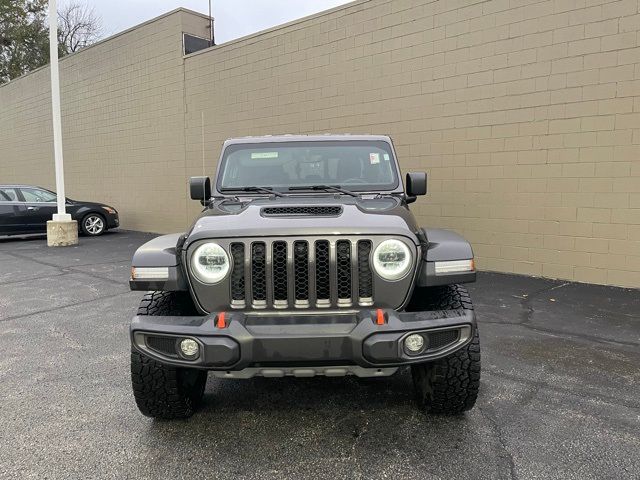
<point x="365" y="275"/>
<point x="343" y="271"/>
<point x="259" y="275"/>
<point x="323" y="276"/>
<point x="280" y="283"/>
<point x="301" y="273"/>
<point x="237" y="275"/>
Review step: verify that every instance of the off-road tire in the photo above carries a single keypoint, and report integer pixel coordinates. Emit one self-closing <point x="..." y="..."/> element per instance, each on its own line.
<point x="164" y="391"/>
<point x="449" y="385"/>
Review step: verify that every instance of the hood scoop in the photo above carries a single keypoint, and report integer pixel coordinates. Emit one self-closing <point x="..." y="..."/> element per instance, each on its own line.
<point x="303" y="211"/>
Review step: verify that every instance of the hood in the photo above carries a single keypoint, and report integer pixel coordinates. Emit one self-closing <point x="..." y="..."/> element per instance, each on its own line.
<point x="301" y="216"/>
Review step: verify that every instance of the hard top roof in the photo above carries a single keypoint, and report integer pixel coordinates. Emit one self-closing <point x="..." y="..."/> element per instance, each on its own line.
<point x="307" y="138"/>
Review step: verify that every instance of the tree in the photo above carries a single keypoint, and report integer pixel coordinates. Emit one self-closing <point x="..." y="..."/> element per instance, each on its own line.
<point x="24" y="42"/>
<point x="78" y="26"/>
<point x="24" y="34"/>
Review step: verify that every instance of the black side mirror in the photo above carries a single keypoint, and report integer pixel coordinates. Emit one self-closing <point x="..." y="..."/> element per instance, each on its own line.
<point x="416" y="185"/>
<point x="200" y="188"/>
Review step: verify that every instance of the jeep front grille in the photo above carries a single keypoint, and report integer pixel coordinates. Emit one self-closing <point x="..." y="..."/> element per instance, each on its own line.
<point x="296" y="273"/>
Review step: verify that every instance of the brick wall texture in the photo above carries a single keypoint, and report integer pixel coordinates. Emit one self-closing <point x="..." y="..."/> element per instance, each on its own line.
<point x="525" y="114"/>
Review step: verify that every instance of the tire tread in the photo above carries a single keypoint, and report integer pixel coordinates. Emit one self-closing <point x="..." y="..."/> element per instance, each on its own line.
<point x="164" y="391"/>
<point x="451" y="384"/>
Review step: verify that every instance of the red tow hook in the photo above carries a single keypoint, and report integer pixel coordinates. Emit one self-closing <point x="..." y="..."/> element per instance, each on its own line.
<point x="221" y="321"/>
<point x="381" y="317"/>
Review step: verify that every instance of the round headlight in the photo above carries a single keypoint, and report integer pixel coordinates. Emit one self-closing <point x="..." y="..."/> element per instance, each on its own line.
<point x="392" y="259"/>
<point x="210" y="263"/>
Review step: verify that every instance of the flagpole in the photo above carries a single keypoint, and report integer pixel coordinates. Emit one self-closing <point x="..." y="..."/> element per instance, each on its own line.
<point x="61" y="230"/>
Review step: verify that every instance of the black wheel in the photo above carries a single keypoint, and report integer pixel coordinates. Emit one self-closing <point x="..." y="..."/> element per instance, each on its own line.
<point x="449" y="385"/>
<point x="93" y="224"/>
<point x="164" y="391"/>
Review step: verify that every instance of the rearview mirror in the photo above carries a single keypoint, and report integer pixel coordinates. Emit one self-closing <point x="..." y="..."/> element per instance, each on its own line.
<point x="200" y="188"/>
<point x="416" y="185"/>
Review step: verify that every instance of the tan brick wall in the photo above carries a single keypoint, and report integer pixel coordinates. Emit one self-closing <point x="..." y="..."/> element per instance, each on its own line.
<point x="525" y="113"/>
<point x="123" y="124"/>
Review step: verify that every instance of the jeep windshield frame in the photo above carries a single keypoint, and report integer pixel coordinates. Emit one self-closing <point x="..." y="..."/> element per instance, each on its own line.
<point x="288" y="166"/>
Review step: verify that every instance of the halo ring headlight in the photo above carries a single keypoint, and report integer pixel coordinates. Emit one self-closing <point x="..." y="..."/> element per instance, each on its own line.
<point x="210" y="263"/>
<point x="392" y="259"/>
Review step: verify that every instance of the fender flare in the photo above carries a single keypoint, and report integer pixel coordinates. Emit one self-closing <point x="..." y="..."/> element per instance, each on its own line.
<point x="163" y="252"/>
<point x="443" y="246"/>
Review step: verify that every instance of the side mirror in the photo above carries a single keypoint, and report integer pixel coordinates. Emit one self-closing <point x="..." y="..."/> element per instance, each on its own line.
<point x="200" y="188"/>
<point x="416" y="185"/>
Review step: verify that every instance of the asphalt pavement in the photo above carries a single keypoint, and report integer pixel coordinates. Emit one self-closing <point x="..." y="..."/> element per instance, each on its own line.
<point x="560" y="392"/>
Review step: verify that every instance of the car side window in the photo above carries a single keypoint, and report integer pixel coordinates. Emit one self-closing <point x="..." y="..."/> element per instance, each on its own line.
<point x="8" y="195"/>
<point x="37" y="195"/>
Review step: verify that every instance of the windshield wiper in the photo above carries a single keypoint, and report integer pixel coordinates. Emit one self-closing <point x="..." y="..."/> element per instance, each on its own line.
<point x="326" y="188"/>
<point x="254" y="189"/>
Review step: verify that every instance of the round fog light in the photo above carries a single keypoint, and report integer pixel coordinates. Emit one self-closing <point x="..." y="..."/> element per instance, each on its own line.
<point x="189" y="348"/>
<point x="414" y="343"/>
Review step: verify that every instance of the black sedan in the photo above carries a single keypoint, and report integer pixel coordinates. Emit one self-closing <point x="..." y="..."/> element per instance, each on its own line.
<point x="25" y="209"/>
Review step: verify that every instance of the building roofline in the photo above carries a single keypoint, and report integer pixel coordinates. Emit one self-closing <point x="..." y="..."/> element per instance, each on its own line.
<point x="278" y="27"/>
<point x="112" y="37"/>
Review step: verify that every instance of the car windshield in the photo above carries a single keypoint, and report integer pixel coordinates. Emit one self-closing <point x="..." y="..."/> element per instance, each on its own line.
<point x="360" y="166"/>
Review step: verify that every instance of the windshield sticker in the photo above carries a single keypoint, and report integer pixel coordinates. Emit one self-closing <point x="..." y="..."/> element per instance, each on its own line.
<point x="386" y="157"/>
<point x="260" y="155"/>
<point x="374" y="158"/>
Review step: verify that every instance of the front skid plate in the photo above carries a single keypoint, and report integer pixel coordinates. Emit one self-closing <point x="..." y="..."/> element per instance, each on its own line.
<point x="303" y="372"/>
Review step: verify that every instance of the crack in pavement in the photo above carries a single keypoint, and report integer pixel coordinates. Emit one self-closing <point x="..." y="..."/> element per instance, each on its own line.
<point x="48" y="264"/>
<point x="14" y="282"/>
<point x="62" y="307"/>
<point x="525" y="302"/>
<point x="560" y="333"/>
<point x="502" y="441"/>
<point x="559" y="390"/>
<point x="66" y="270"/>
<point x="358" y="434"/>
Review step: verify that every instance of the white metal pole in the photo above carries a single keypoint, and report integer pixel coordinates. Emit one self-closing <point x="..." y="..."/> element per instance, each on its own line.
<point x="57" y="116"/>
<point x="210" y="26"/>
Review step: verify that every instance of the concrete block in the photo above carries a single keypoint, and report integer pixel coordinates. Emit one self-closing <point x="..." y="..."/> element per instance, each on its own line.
<point x="62" y="234"/>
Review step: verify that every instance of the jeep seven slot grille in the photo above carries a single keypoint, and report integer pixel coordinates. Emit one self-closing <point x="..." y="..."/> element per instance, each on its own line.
<point x="301" y="274"/>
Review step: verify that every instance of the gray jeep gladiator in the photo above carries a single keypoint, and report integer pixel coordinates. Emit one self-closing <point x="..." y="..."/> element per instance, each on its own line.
<point x="305" y="261"/>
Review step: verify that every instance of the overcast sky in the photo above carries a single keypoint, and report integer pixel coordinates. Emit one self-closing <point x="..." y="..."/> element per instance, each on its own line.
<point x="233" y="18"/>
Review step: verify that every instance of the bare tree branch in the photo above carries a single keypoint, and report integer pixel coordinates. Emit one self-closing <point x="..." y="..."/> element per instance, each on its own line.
<point x="78" y="26"/>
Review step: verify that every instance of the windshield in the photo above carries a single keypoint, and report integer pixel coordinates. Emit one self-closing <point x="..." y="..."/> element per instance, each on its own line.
<point x="356" y="165"/>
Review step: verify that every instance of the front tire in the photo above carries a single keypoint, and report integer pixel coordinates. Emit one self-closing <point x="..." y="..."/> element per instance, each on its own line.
<point x="449" y="385"/>
<point x="164" y="391"/>
<point x="93" y="225"/>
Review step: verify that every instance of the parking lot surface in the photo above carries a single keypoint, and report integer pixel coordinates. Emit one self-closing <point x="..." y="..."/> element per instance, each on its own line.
<point x="560" y="394"/>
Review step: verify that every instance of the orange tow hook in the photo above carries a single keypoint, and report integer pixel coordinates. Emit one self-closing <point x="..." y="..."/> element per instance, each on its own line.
<point x="220" y="321"/>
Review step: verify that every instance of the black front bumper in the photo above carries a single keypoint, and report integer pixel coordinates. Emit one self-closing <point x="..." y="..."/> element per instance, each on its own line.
<point x="303" y="340"/>
<point x="113" y="220"/>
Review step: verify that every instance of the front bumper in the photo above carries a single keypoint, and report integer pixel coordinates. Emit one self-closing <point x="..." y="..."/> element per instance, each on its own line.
<point x="113" y="220"/>
<point x="249" y="341"/>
